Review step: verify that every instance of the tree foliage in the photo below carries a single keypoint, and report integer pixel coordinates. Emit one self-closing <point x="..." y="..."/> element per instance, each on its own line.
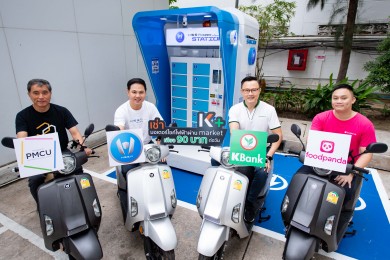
<point x="379" y="69"/>
<point x="171" y="6"/>
<point x="348" y="8"/>
<point x="274" y="20"/>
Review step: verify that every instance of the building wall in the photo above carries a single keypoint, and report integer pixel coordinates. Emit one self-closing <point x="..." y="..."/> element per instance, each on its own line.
<point x="86" y="49"/>
<point x="305" y="23"/>
<point x="321" y="63"/>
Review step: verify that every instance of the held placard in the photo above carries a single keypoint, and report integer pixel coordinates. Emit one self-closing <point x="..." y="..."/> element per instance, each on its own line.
<point x="38" y="154"/>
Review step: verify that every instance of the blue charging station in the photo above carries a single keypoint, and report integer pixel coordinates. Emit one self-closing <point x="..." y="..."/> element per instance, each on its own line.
<point x="196" y="59"/>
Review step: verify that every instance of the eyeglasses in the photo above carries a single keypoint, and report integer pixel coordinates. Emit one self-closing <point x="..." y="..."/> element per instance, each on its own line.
<point x="247" y="91"/>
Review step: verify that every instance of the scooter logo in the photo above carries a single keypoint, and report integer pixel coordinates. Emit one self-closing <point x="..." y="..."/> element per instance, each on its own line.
<point x="332" y="197"/>
<point x="327" y="146"/>
<point x="165" y="174"/>
<point x="248" y="142"/>
<point x="85" y="183"/>
<point x="237" y="185"/>
<point x="126" y="148"/>
<point x="180" y="37"/>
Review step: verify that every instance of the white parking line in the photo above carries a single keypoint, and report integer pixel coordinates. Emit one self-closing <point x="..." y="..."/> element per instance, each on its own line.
<point x="9" y="224"/>
<point x="3" y="229"/>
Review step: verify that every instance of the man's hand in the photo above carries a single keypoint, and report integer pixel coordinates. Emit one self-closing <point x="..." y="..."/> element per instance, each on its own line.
<point x="344" y="179"/>
<point x="88" y="151"/>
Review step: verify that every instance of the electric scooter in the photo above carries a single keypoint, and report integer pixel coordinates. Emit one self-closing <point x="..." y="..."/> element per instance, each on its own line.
<point x="148" y="201"/>
<point x="69" y="208"/>
<point x="221" y="203"/>
<point x="312" y="209"/>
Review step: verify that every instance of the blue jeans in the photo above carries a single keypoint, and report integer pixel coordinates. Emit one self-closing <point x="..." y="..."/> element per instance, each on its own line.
<point x="257" y="180"/>
<point x="33" y="183"/>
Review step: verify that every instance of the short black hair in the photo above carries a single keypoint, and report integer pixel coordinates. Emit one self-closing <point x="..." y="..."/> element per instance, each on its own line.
<point x="136" y="80"/>
<point x="343" y="85"/>
<point x="39" y="82"/>
<point x="248" y="78"/>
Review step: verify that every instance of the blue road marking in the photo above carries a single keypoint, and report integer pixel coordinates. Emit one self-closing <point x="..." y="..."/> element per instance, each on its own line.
<point x="370" y="220"/>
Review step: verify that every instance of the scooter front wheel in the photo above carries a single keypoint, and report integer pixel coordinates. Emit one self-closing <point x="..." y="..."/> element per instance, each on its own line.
<point x="220" y="254"/>
<point x="153" y="251"/>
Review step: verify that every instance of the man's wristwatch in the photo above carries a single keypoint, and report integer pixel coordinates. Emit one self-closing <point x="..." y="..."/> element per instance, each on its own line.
<point x="270" y="158"/>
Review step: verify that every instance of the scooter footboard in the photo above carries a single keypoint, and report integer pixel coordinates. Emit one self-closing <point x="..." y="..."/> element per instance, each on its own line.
<point x="300" y="245"/>
<point x="162" y="233"/>
<point x="211" y="238"/>
<point x="84" y="245"/>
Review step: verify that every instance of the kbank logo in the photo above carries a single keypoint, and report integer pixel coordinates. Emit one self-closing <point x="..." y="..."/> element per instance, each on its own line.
<point x="126" y="147"/>
<point x="180" y="37"/>
<point x="248" y="142"/>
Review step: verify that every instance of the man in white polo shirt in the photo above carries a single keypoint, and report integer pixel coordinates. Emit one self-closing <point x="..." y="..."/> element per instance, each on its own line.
<point x="253" y="114"/>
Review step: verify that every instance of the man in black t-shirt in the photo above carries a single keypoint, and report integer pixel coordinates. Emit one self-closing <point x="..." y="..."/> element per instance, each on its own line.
<point x="42" y="117"/>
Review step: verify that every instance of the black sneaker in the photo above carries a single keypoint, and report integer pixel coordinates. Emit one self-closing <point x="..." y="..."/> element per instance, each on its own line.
<point x="249" y="215"/>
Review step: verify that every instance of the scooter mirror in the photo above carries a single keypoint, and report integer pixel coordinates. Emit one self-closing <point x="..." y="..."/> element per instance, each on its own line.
<point x="110" y="128"/>
<point x="272" y="138"/>
<point x="8" y="142"/>
<point x="296" y="130"/>
<point x="88" y="131"/>
<point x="376" y="148"/>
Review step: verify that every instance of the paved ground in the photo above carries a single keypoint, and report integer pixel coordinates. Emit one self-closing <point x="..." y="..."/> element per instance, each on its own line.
<point x="20" y="234"/>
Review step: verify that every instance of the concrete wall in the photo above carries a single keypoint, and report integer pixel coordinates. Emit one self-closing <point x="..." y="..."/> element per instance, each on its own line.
<point x="318" y="69"/>
<point x="86" y="49"/>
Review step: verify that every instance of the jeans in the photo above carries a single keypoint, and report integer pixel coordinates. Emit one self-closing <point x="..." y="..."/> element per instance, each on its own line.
<point x="257" y="180"/>
<point x="33" y="184"/>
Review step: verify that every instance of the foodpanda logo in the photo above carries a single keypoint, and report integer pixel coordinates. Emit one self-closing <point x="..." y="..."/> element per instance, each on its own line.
<point x="126" y="147"/>
<point x="327" y="146"/>
<point x="180" y="37"/>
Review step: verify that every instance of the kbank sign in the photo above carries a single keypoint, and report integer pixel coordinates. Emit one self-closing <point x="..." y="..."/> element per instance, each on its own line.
<point x="248" y="148"/>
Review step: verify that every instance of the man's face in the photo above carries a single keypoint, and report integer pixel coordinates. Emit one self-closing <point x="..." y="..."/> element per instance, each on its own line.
<point x="250" y="91"/>
<point x="40" y="96"/>
<point x="136" y="94"/>
<point x="342" y="100"/>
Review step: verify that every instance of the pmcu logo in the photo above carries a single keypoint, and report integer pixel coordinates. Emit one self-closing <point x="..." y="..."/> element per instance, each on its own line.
<point x="180" y="37"/>
<point x="126" y="148"/>
<point x="327" y="146"/>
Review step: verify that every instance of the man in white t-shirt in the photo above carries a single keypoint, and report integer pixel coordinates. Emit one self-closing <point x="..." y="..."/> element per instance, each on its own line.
<point x="136" y="113"/>
<point x="253" y="114"/>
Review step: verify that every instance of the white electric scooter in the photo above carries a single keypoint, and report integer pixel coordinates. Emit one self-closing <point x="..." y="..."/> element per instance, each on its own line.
<point x="148" y="201"/>
<point x="221" y="203"/>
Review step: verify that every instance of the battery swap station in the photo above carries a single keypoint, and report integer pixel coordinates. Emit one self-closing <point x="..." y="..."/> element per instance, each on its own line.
<point x="196" y="59"/>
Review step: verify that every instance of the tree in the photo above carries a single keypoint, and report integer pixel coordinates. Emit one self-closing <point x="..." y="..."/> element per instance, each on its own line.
<point x="379" y="69"/>
<point x="273" y="23"/>
<point x="171" y="6"/>
<point x="348" y="33"/>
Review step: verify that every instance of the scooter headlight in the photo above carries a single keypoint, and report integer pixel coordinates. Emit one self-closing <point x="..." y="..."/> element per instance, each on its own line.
<point x="69" y="164"/>
<point x="96" y="209"/>
<point x="225" y="159"/>
<point x="153" y="154"/>
<point x="285" y="203"/>
<point x="236" y="213"/>
<point x="133" y="207"/>
<point x="173" y="199"/>
<point x="329" y="225"/>
<point x="49" y="225"/>
<point x="199" y="199"/>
